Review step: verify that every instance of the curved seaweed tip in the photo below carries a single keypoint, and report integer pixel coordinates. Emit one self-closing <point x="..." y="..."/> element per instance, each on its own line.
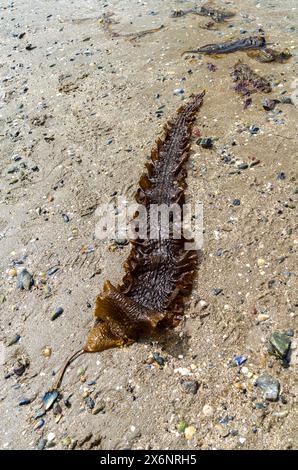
<point x="158" y="272"/>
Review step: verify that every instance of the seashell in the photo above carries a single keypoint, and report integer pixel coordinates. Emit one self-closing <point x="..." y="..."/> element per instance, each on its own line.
<point x="49" y="399"/>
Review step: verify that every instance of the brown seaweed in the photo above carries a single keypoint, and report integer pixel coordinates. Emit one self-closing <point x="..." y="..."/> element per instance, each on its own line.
<point x="158" y="272"/>
<point x="271" y="55"/>
<point x="217" y="15"/>
<point x="244" y="44"/>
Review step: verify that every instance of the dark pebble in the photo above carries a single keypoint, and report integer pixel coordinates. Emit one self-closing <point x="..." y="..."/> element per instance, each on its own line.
<point x="65" y="218"/>
<point x="90" y="403"/>
<point x="205" y="142"/>
<point x="216" y="291"/>
<point x="281" y="176"/>
<point x="290" y="332"/>
<point x="236" y="202"/>
<point x="159" y="359"/>
<point x="24" y="401"/>
<point x="243" y="166"/>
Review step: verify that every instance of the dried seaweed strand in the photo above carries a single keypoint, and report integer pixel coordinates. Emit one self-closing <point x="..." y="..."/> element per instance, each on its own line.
<point x="107" y="22"/>
<point x="159" y="272"/>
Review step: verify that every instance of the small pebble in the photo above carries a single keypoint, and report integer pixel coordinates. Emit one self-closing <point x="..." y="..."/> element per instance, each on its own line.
<point x="189" y="432"/>
<point x="24" y="401"/>
<point x="41" y="444"/>
<point x="208" y="410"/>
<point x="159" y="359"/>
<point x="25" y="280"/>
<point x="191" y="386"/>
<point x="236" y="202"/>
<point x="51" y="437"/>
<point x="270" y="386"/>
<point x="216" y="291"/>
<point x="46" y="351"/>
<point x="89" y="402"/>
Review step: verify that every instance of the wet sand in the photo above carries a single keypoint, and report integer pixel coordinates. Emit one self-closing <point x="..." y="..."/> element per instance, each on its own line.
<point x="80" y="111"/>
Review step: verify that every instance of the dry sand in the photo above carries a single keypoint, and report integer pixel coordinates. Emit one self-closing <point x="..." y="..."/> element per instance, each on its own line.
<point x="61" y="100"/>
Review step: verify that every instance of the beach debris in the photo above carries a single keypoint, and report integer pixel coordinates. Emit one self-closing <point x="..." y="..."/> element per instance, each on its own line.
<point x="269" y="385"/>
<point x="25" y="280"/>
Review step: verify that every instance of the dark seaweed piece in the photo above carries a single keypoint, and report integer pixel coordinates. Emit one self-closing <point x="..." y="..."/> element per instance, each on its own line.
<point x="248" y="81"/>
<point x="159" y="272"/>
<point x="251" y="42"/>
<point x="219" y="16"/>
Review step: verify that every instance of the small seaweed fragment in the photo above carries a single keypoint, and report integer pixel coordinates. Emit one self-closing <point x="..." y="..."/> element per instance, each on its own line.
<point x="251" y="42"/>
<point x="217" y="15"/>
<point x="158" y="272"/>
<point x="248" y="82"/>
